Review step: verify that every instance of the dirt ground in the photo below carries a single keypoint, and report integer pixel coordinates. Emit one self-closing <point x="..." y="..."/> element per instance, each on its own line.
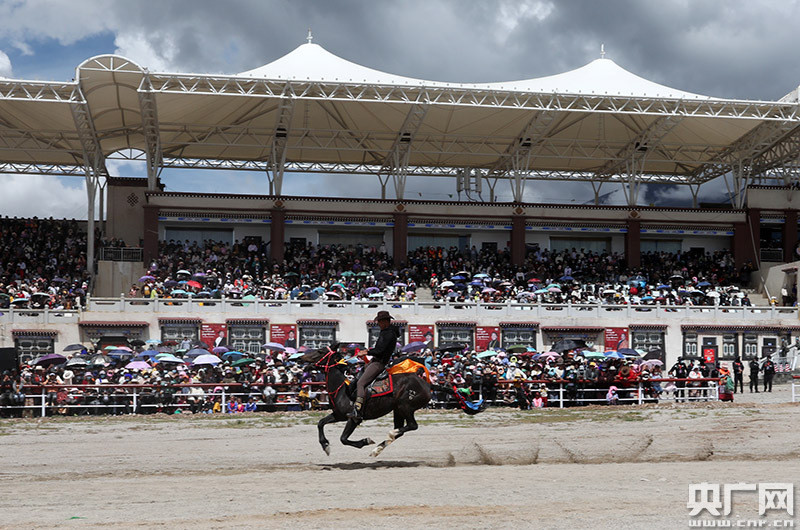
<point x="597" y="467"/>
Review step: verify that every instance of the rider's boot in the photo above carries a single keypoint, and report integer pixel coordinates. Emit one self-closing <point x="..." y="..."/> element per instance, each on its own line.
<point x="356" y="413"/>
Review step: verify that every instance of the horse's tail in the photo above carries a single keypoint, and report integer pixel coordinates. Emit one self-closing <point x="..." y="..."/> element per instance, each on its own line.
<point x="469" y="407"/>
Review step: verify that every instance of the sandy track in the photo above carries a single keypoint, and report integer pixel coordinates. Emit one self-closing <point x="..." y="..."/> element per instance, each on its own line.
<point x="592" y="467"/>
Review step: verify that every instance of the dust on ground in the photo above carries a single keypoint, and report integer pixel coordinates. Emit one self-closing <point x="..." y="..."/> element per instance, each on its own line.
<point x="591" y="467"/>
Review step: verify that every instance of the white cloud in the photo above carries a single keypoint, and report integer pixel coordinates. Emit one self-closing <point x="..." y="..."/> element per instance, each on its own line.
<point x="43" y="196"/>
<point x="5" y="65"/>
<point x="139" y="47"/>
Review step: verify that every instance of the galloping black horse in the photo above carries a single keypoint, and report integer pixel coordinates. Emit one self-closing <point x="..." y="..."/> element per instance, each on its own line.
<point x="411" y="392"/>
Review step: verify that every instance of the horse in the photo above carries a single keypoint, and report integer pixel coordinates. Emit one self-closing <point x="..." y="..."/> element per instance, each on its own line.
<point x="410" y="392"/>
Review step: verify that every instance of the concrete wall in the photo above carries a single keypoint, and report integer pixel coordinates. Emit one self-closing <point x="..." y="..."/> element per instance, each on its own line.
<point x="116" y="277"/>
<point x="124" y="207"/>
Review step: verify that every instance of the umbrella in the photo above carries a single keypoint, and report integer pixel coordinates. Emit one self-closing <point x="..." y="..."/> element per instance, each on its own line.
<point x="137" y="342"/>
<point x="613" y="355"/>
<point x="119" y="353"/>
<point x="277" y="346"/>
<point x="100" y="360"/>
<point x="370" y="290"/>
<point x="291" y="274"/>
<point x="663" y="286"/>
<point x="540" y="291"/>
<point x="376" y="295"/>
<point x="457" y="278"/>
<point x="137" y="365"/>
<point x="183" y="272"/>
<point x="482" y="275"/>
<point x="194" y="284"/>
<point x="167" y="358"/>
<point x="487" y="353"/>
<point x="568" y="344"/>
<point x="196" y="352"/>
<point x="534" y="280"/>
<point x="446" y="284"/>
<point x="333" y="294"/>
<point x="400" y="284"/>
<point x="178" y="292"/>
<point x="704" y="284"/>
<point x="565" y="278"/>
<point x="653" y="362"/>
<point x="220" y="349"/>
<point x="164" y="349"/>
<point x="233" y="355"/>
<point x="347" y="274"/>
<point x="451" y="347"/>
<point x="488" y="290"/>
<point x="655" y="353"/>
<point x="207" y="359"/>
<point x="553" y="290"/>
<point x="144" y="356"/>
<point x="628" y="352"/>
<point x="58" y="280"/>
<point x="592" y="354"/>
<point x="170" y="283"/>
<point x="75" y="347"/>
<point x="147" y="278"/>
<point x="414" y="346"/>
<point x="712" y="294"/>
<point x="243" y="361"/>
<point x="337" y="284"/>
<point x="109" y="348"/>
<point x="517" y="348"/>
<point x="77" y="362"/>
<point x="50" y="359"/>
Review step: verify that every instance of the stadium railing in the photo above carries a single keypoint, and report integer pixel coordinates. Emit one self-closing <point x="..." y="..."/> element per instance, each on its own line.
<point x="121" y="254"/>
<point x="795" y="388"/>
<point x="145" y="398"/>
<point x="441" y="310"/>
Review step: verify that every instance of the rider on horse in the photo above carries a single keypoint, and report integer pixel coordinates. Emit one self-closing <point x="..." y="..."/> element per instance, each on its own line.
<point x="381" y="354"/>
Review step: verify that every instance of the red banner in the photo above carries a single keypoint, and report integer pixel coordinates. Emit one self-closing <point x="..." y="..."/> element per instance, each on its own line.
<point x="421" y="333"/>
<point x="285" y="334"/>
<point x="616" y="338"/>
<point x="487" y="338"/>
<point x="710" y="355"/>
<point x="214" y="334"/>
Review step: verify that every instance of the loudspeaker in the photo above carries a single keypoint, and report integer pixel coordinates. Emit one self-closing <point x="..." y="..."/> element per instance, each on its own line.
<point x="8" y="359"/>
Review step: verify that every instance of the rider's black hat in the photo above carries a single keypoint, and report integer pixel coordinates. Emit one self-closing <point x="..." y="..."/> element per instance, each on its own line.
<point x="383" y="315"/>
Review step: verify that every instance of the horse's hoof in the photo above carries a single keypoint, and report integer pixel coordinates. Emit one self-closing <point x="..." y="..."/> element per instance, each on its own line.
<point x="393" y="434"/>
<point x="370" y="441"/>
<point x="327" y="449"/>
<point x="375" y="452"/>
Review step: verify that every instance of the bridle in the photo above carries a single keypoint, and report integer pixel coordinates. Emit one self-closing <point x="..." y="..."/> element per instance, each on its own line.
<point x="326" y="363"/>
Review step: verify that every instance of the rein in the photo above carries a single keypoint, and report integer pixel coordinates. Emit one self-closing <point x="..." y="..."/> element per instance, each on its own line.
<point x="326" y="363"/>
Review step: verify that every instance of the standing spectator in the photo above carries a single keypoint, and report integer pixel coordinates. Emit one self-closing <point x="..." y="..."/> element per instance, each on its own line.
<point x="769" y="373"/>
<point x="738" y="374"/>
<point x="754" y="369"/>
<point x="679" y="371"/>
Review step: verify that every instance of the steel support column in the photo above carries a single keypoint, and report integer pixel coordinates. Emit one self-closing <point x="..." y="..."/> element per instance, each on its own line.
<point x="280" y="137"/>
<point x="517" y="240"/>
<point x="150" y="130"/>
<point x="396" y="162"/>
<point x="633" y="243"/>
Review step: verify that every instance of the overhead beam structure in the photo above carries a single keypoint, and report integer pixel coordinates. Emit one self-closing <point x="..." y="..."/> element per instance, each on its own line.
<point x="396" y="162"/>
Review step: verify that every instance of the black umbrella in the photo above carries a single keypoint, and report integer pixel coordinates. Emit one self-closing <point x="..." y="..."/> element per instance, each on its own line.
<point x="75" y="347"/>
<point x="136" y="342"/>
<point x="52" y="358"/>
<point x="450" y="347"/>
<point x="655" y="353"/>
<point x="568" y="344"/>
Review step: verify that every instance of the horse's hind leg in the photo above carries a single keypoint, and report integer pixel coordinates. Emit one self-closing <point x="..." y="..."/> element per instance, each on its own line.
<point x="348" y="430"/>
<point x="323" y="441"/>
<point x="403" y="422"/>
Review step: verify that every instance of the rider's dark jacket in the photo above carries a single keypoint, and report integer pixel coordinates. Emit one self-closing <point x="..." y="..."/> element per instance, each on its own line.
<point x="385" y="345"/>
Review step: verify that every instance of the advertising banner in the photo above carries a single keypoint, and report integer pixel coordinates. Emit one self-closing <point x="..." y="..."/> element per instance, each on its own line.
<point x="214" y="334"/>
<point x="285" y="334"/>
<point x="487" y="338"/>
<point x="616" y="338"/>
<point x="421" y="333"/>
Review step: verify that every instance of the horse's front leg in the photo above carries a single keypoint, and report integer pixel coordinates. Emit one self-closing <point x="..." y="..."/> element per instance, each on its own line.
<point x="323" y="441"/>
<point x="348" y="430"/>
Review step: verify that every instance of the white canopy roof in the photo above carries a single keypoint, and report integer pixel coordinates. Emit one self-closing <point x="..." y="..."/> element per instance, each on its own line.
<point x="311" y="111"/>
<point x="312" y="62"/>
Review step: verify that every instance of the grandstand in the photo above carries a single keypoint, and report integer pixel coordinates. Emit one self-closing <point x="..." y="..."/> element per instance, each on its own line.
<point x="311" y="111"/>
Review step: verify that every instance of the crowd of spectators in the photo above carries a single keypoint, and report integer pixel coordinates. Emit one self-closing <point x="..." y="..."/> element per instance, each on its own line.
<point x="279" y="380"/>
<point x="42" y="263"/>
<point x="359" y="272"/>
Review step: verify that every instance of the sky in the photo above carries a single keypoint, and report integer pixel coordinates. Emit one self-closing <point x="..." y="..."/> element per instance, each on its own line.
<point x="723" y="48"/>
